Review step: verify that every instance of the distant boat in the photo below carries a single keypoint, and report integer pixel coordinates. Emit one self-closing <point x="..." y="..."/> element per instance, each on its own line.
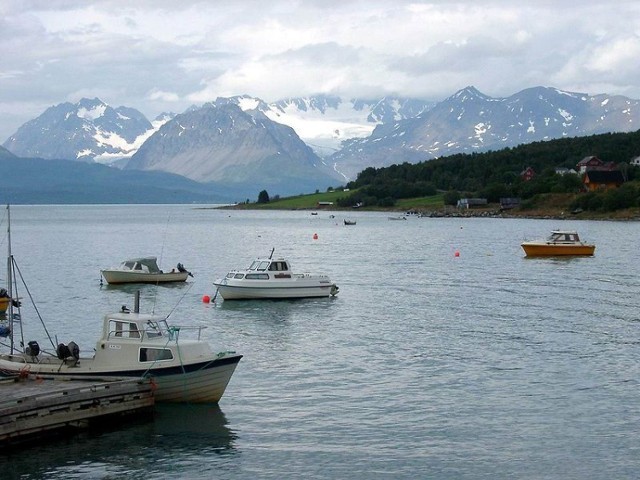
<point x="559" y="243"/>
<point x="398" y="218"/>
<point x="270" y="278"/>
<point x="349" y="222"/>
<point x="144" y="270"/>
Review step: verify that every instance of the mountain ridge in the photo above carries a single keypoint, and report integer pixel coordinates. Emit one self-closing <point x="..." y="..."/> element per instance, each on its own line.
<point x="469" y="121"/>
<point x="314" y="142"/>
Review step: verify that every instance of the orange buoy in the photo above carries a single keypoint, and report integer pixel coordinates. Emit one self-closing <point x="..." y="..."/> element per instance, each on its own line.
<point x="315" y="236"/>
<point x="206" y="299"/>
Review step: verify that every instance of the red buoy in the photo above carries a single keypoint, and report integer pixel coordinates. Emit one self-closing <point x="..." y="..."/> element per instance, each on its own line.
<point x="457" y="254"/>
<point x="315" y="236"/>
<point x="206" y="299"/>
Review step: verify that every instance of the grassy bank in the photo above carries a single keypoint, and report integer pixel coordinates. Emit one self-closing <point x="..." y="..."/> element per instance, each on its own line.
<point x="542" y="206"/>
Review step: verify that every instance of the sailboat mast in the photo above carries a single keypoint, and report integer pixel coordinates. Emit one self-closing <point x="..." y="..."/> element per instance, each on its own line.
<point x="10" y="275"/>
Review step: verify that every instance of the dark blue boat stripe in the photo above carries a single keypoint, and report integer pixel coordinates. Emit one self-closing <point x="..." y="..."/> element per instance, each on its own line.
<point x="156" y="371"/>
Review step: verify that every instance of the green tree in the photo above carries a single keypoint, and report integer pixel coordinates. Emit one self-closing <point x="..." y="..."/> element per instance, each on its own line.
<point x="263" y="197"/>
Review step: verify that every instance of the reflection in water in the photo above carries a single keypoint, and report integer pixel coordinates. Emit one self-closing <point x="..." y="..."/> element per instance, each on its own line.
<point x="145" y="288"/>
<point x="204" y="423"/>
<point x="178" y="436"/>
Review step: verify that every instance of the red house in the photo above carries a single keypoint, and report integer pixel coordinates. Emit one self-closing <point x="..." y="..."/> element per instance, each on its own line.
<point x="527" y="174"/>
<point x="589" y="163"/>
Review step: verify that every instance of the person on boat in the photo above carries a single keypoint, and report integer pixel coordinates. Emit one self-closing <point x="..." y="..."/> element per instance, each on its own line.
<point x="5" y="294"/>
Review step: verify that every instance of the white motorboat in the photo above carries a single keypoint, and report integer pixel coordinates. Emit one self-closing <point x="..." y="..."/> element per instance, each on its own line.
<point x="272" y="278"/>
<point x="132" y="344"/>
<point x="136" y="345"/>
<point x="143" y="270"/>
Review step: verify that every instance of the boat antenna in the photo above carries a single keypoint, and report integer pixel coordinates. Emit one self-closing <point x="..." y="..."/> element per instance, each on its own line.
<point x="191" y="284"/>
<point x="272" y="250"/>
<point x="164" y="240"/>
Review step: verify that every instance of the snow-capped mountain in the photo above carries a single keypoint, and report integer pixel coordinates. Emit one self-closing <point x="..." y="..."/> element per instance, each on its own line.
<point x="221" y="143"/>
<point x="470" y="121"/>
<point x="312" y="142"/>
<point x="89" y="130"/>
<point x="323" y="122"/>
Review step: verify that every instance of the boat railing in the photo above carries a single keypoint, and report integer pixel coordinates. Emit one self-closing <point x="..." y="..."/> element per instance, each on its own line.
<point x="151" y="333"/>
<point x="174" y="331"/>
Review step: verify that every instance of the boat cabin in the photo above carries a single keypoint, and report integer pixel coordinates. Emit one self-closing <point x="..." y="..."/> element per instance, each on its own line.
<point x="257" y="270"/>
<point x="561" y="236"/>
<point x="148" y="335"/>
<point x="146" y="265"/>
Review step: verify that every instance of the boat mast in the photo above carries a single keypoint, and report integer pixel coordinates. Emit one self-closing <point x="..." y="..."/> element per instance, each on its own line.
<point x="10" y="276"/>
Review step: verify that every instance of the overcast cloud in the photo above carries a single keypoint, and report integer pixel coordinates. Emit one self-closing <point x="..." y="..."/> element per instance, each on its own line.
<point x="161" y="55"/>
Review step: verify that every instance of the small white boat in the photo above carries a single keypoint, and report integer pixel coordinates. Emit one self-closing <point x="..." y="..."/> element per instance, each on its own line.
<point x="136" y="345"/>
<point x="398" y="218"/>
<point x="272" y="278"/>
<point x="143" y="270"/>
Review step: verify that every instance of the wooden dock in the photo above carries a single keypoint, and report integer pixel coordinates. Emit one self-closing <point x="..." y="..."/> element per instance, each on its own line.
<point x="35" y="406"/>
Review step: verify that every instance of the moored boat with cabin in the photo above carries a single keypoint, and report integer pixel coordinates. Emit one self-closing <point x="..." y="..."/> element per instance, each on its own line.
<point x="559" y="243"/>
<point x="272" y="278"/>
<point x="143" y="270"/>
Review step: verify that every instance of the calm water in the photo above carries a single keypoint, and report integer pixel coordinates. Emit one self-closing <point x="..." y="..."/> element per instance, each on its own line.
<point x="426" y="365"/>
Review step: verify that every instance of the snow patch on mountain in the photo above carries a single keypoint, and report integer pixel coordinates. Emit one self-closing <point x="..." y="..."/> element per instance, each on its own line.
<point x="124" y="149"/>
<point x="93" y="113"/>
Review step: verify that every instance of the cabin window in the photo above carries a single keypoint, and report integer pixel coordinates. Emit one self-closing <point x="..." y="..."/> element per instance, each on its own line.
<point x="239" y="275"/>
<point x="230" y="275"/>
<point x="124" y="329"/>
<point x="263" y="266"/>
<point x="254" y="265"/>
<point x="155" y="354"/>
<point x="257" y="276"/>
<point x="278" y="266"/>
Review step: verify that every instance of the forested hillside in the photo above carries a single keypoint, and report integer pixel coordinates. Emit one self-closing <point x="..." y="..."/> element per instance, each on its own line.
<point x="496" y="174"/>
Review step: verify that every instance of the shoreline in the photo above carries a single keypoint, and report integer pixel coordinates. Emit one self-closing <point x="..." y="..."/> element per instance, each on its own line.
<point x="542" y="214"/>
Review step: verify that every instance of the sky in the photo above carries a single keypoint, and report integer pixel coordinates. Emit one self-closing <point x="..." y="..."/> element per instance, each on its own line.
<point x="166" y="55"/>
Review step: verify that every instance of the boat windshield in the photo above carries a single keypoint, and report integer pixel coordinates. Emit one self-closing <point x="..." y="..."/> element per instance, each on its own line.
<point x="564" y="237"/>
<point x="254" y="265"/>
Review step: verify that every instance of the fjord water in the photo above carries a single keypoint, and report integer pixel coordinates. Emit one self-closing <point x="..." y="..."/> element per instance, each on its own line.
<point x="427" y="364"/>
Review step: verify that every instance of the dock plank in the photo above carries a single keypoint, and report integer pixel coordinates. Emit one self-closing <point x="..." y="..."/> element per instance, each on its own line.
<point x="35" y="405"/>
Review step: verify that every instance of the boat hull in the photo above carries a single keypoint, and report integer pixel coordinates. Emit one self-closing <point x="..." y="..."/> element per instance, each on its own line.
<point x="532" y="249"/>
<point x="247" y="292"/>
<point x="117" y="277"/>
<point x="198" y="382"/>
